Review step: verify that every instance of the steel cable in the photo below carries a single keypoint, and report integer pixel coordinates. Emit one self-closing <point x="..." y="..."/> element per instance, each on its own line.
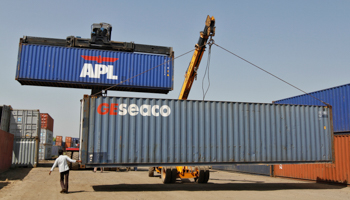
<point x="270" y="74"/>
<point x="210" y="43"/>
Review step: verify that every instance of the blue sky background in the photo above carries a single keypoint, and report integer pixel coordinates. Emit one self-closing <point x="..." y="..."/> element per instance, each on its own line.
<point x="306" y="43"/>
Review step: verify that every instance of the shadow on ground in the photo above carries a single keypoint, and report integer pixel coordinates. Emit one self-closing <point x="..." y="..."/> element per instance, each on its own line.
<point x="71" y="192"/>
<point x="3" y="185"/>
<point x="46" y="163"/>
<point x="14" y="174"/>
<point x="179" y="186"/>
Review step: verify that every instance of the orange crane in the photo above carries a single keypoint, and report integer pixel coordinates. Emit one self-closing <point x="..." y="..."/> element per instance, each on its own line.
<point x="200" y="174"/>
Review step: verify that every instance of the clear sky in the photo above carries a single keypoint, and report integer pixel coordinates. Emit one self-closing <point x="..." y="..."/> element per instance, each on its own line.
<point x="306" y="43"/>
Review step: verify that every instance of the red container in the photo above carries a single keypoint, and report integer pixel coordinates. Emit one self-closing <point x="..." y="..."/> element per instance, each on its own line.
<point x="58" y="143"/>
<point x="68" y="140"/>
<point x="58" y="139"/>
<point x="338" y="172"/>
<point x="67" y="145"/>
<point x="46" y="121"/>
<point x="6" y="146"/>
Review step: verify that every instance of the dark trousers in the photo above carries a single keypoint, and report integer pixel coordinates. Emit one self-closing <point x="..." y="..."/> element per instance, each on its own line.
<point x="64" y="180"/>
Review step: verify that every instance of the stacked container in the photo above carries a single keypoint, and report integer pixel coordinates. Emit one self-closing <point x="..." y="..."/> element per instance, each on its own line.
<point x="58" y="141"/>
<point x="68" y="142"/>
<point x="75" y="142"/>
<point x="25" y="125"/>
<point x="46" y="122"/>
<point x="46" y="137"/>
<point x="6" y="139"/>
<point x="5" y="114"/>
<point x="339" y="171"/>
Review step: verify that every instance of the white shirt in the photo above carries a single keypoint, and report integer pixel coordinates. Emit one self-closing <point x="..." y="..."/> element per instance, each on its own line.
<point x="62" y="163"/>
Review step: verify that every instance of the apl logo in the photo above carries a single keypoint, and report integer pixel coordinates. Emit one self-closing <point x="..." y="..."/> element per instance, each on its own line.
<point x="95" y="72"/>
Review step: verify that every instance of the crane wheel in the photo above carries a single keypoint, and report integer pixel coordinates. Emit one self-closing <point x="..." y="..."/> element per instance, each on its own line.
<point x="166" y="174"/>
<point x="151" y="172"/>
<point x="201" y="175"/>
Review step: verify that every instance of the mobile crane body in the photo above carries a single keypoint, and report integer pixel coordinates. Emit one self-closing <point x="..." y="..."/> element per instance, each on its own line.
<point x="200" y="174"/>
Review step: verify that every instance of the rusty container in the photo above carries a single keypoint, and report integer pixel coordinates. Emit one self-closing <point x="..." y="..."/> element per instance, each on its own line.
<point x="58" y="139"/>
<point x="58" y="143"/>
<point x="6" y="146"/>
<point x="338" y="172"/>
<point x="46" y="121"/>
<point x="68" y="140"/>
<point x="67" y="144"/>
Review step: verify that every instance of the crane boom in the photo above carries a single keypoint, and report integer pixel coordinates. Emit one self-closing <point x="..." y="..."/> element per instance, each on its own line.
<point x="209" y="31"/>
<point x="200" y="174"/>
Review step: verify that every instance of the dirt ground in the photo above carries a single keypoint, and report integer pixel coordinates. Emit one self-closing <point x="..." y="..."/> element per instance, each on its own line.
<point x="35" y="183"/>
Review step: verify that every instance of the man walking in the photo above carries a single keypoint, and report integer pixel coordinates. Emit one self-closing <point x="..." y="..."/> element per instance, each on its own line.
<point x="61" y="161"/>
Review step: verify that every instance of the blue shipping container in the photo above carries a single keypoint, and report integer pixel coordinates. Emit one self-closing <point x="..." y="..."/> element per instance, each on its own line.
<point x="94" y="69"/>
<point x="122" y="131"/>
<point x="75" y="142"/>
<point x="338" y="97"/>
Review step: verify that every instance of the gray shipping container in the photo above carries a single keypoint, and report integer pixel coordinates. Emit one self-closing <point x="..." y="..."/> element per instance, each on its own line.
<point x="122" y="131"/>
<point x="25" y="152"/>
<point x="46" y="136"/>
<point x="5" y="114"/>
<point x="25" y="123"/>
<point x="45" y="151"/>
<point x="246" y="168"/>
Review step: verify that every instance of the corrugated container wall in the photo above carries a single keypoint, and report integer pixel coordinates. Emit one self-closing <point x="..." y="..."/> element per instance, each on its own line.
<point x="5" y="114"/>
<point x="45" y="151"/>
<point x="94" y="69"/>
<point x="119" y="131"/>
<point x="6" y="146"/>
<point x="338" y="172"/>
<point x="46" y="121"/>
<point x="25" y="152"/>
<point x="337" y="97"/>
<point x="25" y="123"/>
<point x="54" y="150"/>
<point x="46" y="136"/>
<point x="246" y="168"/>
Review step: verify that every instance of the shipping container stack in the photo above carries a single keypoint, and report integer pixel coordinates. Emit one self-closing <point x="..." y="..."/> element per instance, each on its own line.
<point x="339" y="171"/>
<point x="46" y="137"/>
<point x="68" y="142"/>
<point x="6" y="138"/>
<point x="25" y="125"/>
<point x="75" y="142"/>
<point x="57" y="145"/>
<point x="339" y="98"/>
